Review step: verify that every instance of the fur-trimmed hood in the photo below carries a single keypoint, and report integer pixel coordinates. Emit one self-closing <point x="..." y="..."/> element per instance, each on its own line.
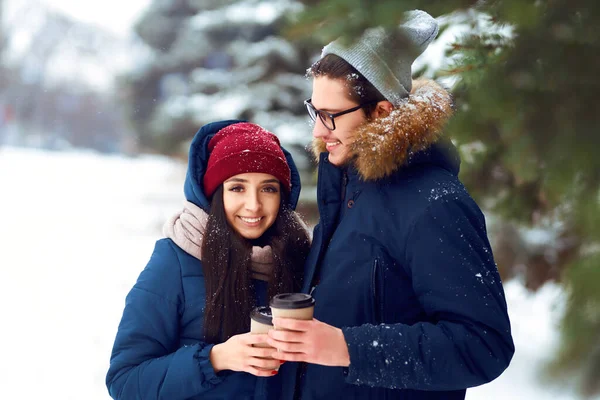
<point x="384" y="145"/>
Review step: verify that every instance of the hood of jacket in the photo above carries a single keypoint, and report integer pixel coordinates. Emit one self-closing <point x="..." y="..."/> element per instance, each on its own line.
<point x="411" y="134"/>
<point x="198" y="161"/>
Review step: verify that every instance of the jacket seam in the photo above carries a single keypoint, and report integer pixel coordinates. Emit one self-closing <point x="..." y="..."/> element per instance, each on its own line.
<point x="172" y="244"/>
<point x="156" y="295"/>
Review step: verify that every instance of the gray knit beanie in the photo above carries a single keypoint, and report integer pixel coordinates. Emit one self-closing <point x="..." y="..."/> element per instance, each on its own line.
<point x="383" y="57"/>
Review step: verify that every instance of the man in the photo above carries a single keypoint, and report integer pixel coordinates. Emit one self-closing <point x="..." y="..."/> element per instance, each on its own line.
<point x="409" y="303"/>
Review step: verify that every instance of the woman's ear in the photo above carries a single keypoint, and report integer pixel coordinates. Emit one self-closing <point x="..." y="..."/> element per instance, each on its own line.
<point x="383" y="109"/>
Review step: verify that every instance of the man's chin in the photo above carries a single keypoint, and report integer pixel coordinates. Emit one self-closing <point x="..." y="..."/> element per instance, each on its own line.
<point x="338" y="160"/>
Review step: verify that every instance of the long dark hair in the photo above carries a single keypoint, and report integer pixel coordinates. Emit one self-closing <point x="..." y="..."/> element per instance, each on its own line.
<point x="227" y="267"/>
<point x="361" y="90"/>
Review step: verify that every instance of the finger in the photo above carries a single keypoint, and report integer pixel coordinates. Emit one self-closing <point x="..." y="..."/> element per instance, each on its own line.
<point x="286" y="336"/>
<point x="289" y="347"/>
<point x="265" y="363"/>
<point x="256" y="338"/>
<point x="283" y="356"/>
<point x="259" y="372"/>
<point x="264" y="352"/>
<point x="292" y="324"/>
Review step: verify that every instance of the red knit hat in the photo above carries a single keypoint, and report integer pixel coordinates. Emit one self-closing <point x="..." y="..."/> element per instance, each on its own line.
<point x="241" y="148"/>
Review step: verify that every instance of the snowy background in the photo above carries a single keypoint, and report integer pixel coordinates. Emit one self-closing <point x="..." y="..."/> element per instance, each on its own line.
<point x="76" y="228"/>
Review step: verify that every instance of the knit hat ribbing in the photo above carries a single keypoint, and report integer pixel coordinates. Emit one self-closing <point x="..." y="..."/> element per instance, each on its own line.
<point x="241" y="148"/>
<point x="383" y="57"/>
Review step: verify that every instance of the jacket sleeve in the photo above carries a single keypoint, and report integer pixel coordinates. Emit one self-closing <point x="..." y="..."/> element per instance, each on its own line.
<point x="466" y="341"/>
<point x="146" y="361"/>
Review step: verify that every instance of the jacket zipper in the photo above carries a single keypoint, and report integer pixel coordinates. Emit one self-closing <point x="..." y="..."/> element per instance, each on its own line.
<point x="376" y="302"/>
<point x="343" y="194"/>
<point x="344" y="183"/>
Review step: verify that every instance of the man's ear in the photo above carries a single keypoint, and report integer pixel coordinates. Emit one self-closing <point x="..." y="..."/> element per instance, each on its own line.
<point x="383" y="109"/>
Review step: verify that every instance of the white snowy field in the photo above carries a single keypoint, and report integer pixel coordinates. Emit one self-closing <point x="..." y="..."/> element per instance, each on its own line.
<point x="75" y="231"/>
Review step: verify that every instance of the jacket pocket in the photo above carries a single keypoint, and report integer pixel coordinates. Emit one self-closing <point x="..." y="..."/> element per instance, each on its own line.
<point x="377" y="291"/>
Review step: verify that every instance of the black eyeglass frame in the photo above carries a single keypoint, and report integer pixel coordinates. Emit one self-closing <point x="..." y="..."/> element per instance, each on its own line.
<point x="309" y="106"/>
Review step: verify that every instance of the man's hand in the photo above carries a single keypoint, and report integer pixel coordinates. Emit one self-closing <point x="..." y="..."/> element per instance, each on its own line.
<point x="311" y="341"/>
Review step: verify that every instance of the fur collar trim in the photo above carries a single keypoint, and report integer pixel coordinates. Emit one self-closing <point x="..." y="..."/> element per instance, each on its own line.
<point x="384" y="145"/>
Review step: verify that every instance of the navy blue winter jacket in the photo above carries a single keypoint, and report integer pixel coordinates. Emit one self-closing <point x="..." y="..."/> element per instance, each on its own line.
<point x="159" y="351"/>
<point x="401" y="262"/>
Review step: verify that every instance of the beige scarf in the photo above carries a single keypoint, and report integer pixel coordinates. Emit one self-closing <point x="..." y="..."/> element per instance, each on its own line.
<point x="186" y="229"/>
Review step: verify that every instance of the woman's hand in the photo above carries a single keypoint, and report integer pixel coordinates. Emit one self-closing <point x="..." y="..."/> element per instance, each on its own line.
<point x="311" y="341"/>
<point x="239" y="354"/>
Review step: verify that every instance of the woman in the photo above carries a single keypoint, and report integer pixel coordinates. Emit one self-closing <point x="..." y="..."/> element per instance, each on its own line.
<point x="409" y="303"/>
<point x="184" y="330"/>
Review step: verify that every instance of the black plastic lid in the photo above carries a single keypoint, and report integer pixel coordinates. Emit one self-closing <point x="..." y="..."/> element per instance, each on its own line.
<point x="262" y="315"/>
<point x="292" y="301"/>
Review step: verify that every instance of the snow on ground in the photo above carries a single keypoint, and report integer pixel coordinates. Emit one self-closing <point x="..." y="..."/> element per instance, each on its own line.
<point x="534" y="319"/>
<point x="75" y="231"/>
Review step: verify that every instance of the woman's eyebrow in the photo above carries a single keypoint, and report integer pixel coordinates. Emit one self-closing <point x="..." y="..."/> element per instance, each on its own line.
<point x="245" y="180"/>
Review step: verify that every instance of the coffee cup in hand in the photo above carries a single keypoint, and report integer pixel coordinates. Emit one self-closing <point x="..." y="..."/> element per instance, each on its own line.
<point x="260" y="322"/>
<point x="293" y="305"/>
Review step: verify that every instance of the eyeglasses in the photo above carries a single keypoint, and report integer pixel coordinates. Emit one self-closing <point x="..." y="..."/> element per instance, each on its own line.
<point x="328" y="119"/>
